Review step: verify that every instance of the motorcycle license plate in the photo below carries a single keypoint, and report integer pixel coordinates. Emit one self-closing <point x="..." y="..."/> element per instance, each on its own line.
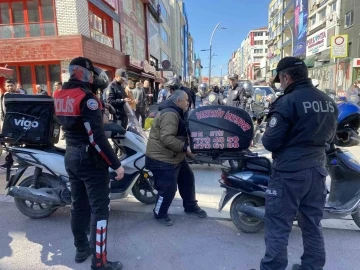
<point x="221" y="200"/>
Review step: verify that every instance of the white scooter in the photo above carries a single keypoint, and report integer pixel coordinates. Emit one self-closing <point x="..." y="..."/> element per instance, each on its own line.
<point x="48" y="188"/>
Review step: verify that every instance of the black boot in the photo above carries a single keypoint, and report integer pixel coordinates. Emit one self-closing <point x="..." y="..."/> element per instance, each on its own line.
<point x="109" y="266"/>
<point x="82" y="254"/>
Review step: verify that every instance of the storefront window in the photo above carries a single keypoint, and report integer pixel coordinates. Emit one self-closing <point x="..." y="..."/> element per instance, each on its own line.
<point x="31" y="18"/>
<point x="100" y="26"/>
<point x="43" y="74"/>
<point x="25" y="78"/>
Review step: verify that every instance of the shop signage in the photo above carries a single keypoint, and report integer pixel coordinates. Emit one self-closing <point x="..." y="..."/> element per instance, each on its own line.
<point x="339" y="46"/>
<point x="316" y="43"/>
<point x="135" y="62"/>
<point x="356" y="62"/>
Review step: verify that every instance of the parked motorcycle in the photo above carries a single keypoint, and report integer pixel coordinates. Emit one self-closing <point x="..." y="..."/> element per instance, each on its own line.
<point x="248" y="183"/>
<point x="41" y="194"/>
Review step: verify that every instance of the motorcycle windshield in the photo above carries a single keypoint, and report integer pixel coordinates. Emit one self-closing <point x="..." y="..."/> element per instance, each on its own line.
<point x="134" y="125"/>
<point x="259" y="95"/>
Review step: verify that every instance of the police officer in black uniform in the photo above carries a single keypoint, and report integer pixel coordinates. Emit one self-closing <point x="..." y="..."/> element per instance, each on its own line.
<point x="116" y="96"/>
<point x="236" y="94"/>
<point x="301" y="123"/>
<point x="87" y="160"/>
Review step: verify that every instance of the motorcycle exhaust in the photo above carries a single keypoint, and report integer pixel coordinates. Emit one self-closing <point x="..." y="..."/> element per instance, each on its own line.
<point x="42" y="195"/>
<point x="252" y="211"/>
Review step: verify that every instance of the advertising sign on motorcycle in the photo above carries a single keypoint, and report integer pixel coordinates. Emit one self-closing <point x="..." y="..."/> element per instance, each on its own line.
<point x="220" y="128"/>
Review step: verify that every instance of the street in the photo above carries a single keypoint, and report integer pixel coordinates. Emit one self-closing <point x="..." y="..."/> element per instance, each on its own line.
<point x="140" y="242"/>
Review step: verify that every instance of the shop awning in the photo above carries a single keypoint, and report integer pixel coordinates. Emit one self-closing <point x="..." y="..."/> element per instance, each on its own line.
<point x="324" y="56"/>
<point x="310" y="61"/>
<point x="6" y="72"/>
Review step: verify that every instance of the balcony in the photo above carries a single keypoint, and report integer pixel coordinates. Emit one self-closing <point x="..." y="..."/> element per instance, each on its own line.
<point x="289" y="7"/>
<point x="272" y="14"/>
<point x="287" y="24"/>
<point x="286" y="43"/>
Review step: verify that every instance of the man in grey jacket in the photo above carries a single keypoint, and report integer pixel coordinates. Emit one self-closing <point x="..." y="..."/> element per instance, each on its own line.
<point x="140" y="99"/>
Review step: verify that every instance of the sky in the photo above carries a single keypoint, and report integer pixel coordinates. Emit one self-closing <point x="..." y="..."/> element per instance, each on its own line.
<point x="238" y="16"/>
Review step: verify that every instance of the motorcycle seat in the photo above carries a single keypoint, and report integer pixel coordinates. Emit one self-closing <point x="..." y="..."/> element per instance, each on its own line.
<point x="113" y="129"/>
<point x="259" y="164"/>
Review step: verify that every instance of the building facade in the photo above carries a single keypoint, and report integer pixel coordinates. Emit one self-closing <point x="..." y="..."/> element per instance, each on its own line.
<point x="39" y="38"/>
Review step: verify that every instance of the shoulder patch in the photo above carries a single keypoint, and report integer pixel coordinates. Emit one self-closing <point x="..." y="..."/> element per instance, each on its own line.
<point x="273" y="121"/>
<point x="92" y="104"/>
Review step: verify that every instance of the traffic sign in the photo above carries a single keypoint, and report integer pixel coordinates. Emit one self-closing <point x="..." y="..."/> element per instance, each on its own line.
<point x="166" y="64"/>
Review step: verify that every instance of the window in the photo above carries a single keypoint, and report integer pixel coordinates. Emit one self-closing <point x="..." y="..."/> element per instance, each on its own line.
<point x="23" y="18"/>
<point x="258" y="42"/>
<point x="313" y="20"/>
<point x="322" y="14"/>
<point x="258" y="34"/>
<point x="257" y="51"/>
<point x="333" y="6"/>
<point x="164" y="13"/>
<point x="164" y="56"/>
<point x="164" y="35"/>
<point x="100" y="26"/>
<point x="43" y="74"/>
<point x="349" y="19"/>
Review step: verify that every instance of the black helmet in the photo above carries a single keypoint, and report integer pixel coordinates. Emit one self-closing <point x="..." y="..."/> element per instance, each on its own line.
<point x="173" y="84"/>
<point x="101" y="79"/>
<point x="233" y="76"/>
<point x="216" y="89"/>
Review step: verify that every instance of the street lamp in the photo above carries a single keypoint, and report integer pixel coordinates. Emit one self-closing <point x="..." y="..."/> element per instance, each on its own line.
<point x="221" y="78"/>
<point x="292" y="38"/>
<point x="211" y="56"/>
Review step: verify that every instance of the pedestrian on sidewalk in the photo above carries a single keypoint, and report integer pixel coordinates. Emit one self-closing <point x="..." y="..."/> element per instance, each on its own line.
<point x="140" y="100"/>
<point x="166" y="152"/>
<point x="297" y="133"/>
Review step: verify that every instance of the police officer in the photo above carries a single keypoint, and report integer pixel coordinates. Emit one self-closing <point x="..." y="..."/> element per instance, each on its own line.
<point x="116" y="96"/>
<point x="87" y="159"/>
<point x="236" y="94"/>
<point x="301" y="123"/>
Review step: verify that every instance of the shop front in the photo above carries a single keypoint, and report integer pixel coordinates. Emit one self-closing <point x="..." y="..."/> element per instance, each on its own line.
<point x="356" y="70"/>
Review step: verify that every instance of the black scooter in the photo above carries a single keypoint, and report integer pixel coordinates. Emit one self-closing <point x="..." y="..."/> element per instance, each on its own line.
<point x="249" y="181"/>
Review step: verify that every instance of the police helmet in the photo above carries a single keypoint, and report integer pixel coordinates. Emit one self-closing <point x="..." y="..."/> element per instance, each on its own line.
<point x="216" y="89"/>
<point x="202" y="89"/>
<point x="248" y="87"/>
<point x="101" y="79"/>
<point x="233" y="76"/>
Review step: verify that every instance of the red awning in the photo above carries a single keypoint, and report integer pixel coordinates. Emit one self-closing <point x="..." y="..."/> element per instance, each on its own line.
<point x="6" y="72"/>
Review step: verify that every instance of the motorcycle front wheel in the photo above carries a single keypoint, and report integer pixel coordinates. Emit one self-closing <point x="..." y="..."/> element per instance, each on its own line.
<point x="32" y="209"/>
<point x="144" y="188"/>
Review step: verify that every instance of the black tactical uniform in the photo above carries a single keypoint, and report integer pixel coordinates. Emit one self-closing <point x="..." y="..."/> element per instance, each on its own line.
<point x="115" y="95"/>
<point x="87" y="160"/>
<point x="301" y="123"/>
<point x="236" y="95"/>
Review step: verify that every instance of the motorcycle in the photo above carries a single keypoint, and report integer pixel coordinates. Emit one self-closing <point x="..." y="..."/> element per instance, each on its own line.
<point x="247" y="184"/>
<point x="48" y="188"/>
<point x="258" y="107"/>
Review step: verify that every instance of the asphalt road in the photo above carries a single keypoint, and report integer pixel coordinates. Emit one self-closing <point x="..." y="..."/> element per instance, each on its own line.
<point x="141" y="243"/>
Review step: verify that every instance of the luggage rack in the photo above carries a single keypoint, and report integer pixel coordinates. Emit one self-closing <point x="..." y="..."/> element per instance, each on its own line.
<point x="245" y="156"/>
